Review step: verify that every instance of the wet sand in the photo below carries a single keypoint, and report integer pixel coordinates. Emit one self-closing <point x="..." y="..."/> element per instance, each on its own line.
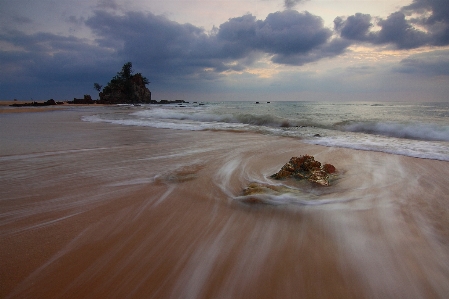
<point x="92" y="210"/>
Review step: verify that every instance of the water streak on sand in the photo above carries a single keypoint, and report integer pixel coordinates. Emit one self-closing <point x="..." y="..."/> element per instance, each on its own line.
<point x="161" y="214"/>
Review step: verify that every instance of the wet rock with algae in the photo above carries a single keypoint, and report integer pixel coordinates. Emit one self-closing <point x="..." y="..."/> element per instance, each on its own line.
<point x="306" y="168"/>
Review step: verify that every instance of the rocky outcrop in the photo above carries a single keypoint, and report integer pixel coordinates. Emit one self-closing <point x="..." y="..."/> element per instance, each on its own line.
<point x="136" y="92"/>
<point x="306" y="168"/>
<point x="125" y="88"/>
<point x="87" y="99"/>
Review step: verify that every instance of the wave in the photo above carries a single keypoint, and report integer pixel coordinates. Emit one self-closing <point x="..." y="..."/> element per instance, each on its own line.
<point x="408" y="139"/>
<point x="430" y="132"/>
<point x="199" y="115"/>
<point x="193" y="115"/>
<point x="411" y="148"/>
<point x="166" y="124"/>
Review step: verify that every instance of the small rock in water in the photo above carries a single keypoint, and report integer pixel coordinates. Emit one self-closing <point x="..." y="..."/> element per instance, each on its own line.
<point x="305" y="167"/>
<point x="329" y="168"/>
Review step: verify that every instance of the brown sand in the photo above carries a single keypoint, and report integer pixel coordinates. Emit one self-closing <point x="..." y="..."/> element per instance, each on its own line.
<point x="129" y="212"/>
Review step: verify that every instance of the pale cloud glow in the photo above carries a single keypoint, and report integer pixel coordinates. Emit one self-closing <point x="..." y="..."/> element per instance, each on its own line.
<point x="222" y="50"/>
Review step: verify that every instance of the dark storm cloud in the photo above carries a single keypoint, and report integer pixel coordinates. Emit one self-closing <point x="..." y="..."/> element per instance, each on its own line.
<point x="159" y="45"/>
<point x="169" y="48"/>
<point x="333" y="48"/>
<point x="394" y="30"/>
<point x="165" y="50"/>
<point x="435" y="17"/>
<point x="355" y="27"/>
<point x="399" y="30"/>
<point x="48" y="55"/>
<point x="439" y="10"/>
<point x="35" y="61"/>
<point x="282" y="34"/>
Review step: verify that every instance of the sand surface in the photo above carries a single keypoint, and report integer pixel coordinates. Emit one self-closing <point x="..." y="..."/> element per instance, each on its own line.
<point x="103" y="211"/>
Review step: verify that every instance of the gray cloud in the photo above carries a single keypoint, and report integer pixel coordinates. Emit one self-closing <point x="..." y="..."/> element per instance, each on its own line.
<point x="162" y="49"/>
<point x="355" y="27"/>
<point x="289" y="4"/>
<point x="287" y="33"/>
<point x="434" y="63"/>
<point x="434" y="16"/>
<point x="67" y="63"/>
<point x="108" y="4"/>
<point x="332" y="48"/>
<point x="167" y="47"/>
<point x="398" y="30"/>
<point x="168" y="52"/>
<point x="439" y="10"/>
<point x="394" y="30"/>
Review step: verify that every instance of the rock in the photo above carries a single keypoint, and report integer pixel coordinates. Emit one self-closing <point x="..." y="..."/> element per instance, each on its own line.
<point x="87" y="99"/>
<point x="329" y="168"/>
<point x="126" y="88"/>
<point x="306" y="168"/>
<point x="35" y="104"/>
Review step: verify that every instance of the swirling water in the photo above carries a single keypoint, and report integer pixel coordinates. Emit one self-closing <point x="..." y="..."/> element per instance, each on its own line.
<point x="110" y="207"/>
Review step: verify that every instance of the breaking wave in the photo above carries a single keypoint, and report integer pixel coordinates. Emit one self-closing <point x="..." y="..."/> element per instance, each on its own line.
<point x="198" y="115"/>
<point x="430" y="132"/>
<point x="427" y="138"/>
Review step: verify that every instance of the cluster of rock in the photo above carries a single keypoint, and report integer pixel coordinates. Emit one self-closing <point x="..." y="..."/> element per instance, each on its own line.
<point x="37" y="104"/>
<point x="306" y="168"/>
<point x="169" y="102"/>
<point x="87" y="99"/>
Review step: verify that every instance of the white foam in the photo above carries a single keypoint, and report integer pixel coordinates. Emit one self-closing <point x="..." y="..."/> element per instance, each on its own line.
<point x="411" y="148"/>
<point x="168" y="123"/>
<point x="422" y="140"/>
<point x="420" y="131"/>
<point x="182" y="114"/>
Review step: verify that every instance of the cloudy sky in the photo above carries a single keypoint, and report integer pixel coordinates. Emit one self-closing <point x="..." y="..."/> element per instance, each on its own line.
<point x="328" y="50"/>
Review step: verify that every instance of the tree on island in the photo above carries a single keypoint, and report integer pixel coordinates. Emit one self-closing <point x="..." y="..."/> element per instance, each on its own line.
<point x="125" y="88"/>
<point x="97" y="87"/>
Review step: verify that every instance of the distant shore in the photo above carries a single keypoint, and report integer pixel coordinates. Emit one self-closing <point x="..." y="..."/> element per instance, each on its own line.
<point x="5" y="106"/>
<point x="40" y="106"/>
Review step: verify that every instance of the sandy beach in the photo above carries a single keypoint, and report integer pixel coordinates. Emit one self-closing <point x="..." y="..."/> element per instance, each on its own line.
<point x="97" y="210"/>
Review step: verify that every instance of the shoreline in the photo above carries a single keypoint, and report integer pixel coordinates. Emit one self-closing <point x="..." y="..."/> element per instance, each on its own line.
<point x="101" y="210"/>
<point x="6" y="108"/>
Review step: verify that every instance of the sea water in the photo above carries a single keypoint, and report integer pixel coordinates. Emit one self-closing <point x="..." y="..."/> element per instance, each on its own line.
<point x="411" y="129"/>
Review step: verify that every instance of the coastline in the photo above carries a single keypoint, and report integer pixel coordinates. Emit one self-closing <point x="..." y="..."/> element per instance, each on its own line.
<point x="6" y="108"/>
<point x="122" y="211"/>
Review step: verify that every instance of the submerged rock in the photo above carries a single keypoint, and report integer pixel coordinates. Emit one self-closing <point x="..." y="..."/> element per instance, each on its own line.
<point x="306" y="168"/>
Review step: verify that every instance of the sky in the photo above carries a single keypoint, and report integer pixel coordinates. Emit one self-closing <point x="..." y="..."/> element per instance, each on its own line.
<point x="213" y="50"/>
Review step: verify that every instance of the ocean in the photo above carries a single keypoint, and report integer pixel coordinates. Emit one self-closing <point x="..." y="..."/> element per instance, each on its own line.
<point x="412" y="129"/>
<point x="151" y="201"/>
